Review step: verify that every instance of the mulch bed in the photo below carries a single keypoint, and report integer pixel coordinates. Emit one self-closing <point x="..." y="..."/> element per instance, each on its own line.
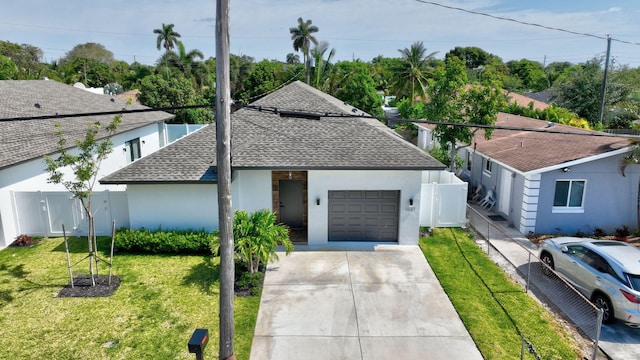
<point x="82" y="286"/>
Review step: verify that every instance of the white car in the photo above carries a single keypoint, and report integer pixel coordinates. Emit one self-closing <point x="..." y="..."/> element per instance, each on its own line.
<point x="605" y="271"/>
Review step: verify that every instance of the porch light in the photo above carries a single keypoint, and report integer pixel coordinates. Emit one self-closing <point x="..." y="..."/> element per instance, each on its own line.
<point x="318" y="201"/>
<point x="411" y="202"/>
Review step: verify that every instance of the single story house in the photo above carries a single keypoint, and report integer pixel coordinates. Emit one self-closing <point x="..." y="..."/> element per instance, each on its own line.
<point x="329" y="171"/>
<point x="550" y="178"/>
<point x="29" y="204"/>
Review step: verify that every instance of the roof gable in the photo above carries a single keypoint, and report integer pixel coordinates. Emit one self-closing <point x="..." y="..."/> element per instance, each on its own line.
<point x="30" y="139"/>
<point x="262" y="139"/>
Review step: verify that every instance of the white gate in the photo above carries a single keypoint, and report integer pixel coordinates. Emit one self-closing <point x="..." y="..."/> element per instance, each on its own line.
<point x="443" y="201"/>
<point x="43" y="213"/>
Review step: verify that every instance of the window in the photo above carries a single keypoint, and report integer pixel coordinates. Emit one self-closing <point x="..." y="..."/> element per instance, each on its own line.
<point x="488" y="165"/>
<point x="569" y="195"/>
<point x="132" y="149"/>
<point x="469" y="160"/>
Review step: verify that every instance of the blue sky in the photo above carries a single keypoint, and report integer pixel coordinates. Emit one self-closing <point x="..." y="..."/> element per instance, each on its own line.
<point x="357" y="29"/>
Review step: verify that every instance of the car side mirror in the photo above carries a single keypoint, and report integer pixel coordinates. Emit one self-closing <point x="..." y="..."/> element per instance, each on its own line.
<point x="564" y="249"/>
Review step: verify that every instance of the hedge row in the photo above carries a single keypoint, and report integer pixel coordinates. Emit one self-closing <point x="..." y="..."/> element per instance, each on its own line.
<point x="164" y="241"/>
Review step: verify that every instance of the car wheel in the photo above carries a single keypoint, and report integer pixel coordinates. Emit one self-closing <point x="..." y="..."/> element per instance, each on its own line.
<point x="602" y="302"/>
<point x="547" y="259"/>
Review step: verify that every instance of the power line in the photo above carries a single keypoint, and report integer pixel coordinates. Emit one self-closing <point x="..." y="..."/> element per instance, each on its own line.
<point x="524" y="22"/>
<point x="307" y="115"/>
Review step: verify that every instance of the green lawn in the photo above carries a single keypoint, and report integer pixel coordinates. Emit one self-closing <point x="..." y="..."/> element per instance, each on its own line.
<point x="161" y="300"/>
<point x="496" y="311"/>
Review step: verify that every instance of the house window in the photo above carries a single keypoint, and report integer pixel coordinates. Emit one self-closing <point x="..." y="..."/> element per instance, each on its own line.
<point x="488" y="165"/>
<point x="132" y="149"/>
<point x="569" y="196"/>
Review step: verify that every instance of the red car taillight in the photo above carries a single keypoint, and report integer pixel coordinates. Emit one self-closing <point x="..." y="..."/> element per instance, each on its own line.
<point x="630" y="297"/>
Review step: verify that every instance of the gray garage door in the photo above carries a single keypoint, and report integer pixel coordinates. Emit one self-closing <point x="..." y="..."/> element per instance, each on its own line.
<point x="358" y="215"/>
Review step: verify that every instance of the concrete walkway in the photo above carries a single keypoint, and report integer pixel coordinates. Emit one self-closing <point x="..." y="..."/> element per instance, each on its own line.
<point x="380" y="304"/>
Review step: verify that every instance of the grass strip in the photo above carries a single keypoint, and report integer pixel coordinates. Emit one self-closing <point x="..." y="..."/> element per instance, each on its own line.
<point x="496" y="311"/>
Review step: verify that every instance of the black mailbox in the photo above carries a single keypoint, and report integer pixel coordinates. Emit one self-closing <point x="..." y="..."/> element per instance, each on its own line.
<point x="198" y="342"/>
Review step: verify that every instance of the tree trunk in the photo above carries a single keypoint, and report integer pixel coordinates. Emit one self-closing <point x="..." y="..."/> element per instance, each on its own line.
<point x="90" y="241"/>
<point x="223" y="149"/>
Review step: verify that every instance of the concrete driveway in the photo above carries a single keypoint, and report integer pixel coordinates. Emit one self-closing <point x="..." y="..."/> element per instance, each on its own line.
<point x="380" y="304"/>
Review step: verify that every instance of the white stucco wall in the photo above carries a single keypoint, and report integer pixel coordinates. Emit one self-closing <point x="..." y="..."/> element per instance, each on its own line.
<point x="182" y="206"/>
<point x="321" y="182"/>
<point x="251" y="190"/>
<point x="30" y="176"/>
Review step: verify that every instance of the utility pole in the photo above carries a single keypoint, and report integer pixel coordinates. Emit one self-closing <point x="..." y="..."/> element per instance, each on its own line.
<point x="223" y="159"/>
<point x="603" y="93"/>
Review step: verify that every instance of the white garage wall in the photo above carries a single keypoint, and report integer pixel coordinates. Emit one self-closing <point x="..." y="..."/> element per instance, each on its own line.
<point x="407" y="182"/>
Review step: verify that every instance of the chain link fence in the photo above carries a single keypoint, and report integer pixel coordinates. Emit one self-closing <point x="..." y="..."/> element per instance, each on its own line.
<point x="518" y="257"/>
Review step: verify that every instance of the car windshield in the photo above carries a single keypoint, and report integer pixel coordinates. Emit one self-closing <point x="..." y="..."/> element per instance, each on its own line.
<point x="635" y="281"/>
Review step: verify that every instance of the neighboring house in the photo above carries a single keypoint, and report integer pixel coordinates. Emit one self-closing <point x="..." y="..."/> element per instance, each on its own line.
<point x="551" y="180"/>
<point x="28" y="203"/>
<point x="329" y="171"/>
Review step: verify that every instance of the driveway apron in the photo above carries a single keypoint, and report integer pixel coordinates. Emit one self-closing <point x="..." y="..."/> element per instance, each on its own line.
<point x="381" y="304"/>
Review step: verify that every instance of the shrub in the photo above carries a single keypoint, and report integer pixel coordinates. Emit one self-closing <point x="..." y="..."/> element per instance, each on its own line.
<point x="163" y="241"/>
<point x="622" y="232"/>
<point x="599" y="233"/>
<point x="23" y="240"/>
<point x="256" y="237"/>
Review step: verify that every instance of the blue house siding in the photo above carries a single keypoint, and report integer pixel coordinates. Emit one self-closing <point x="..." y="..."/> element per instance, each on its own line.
<point x="609" y="198"/>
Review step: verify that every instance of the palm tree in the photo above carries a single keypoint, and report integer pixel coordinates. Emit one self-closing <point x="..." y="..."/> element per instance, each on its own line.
<point x="633" y="158"/>
<point x="186" y="62"/>
<point x="411" y="75"/>
<point x="302" y="38"/>
<point x="322" y="65"/>
<point x="167" y="36"/>
<point x="293" y="59"/>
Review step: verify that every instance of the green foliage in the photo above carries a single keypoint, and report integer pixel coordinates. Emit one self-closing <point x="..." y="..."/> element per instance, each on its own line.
<point x="164" y="241"/>
<point x="265" y="77"/>
<point x="157" y="92"/>
<point x="530" y="74"/>
<point x="302" y="36"/>
<point x="552" y="113"/>
<point x="113" y="89"/>
<point x="8" y="69"/>
<point x="358" y="88"/>
<point x="26" y="59"/>
<point x="251" y="282"/>
<point x="91" y="51"/>
<point x="412" y="72"/>
<point x="443" y="155"/>
<point x="256" y="237"/>
<point x="90" y="72"/>
<point x="452" y="101"/>
<point x="473" y="57"/>
<point x="167" y="37"/>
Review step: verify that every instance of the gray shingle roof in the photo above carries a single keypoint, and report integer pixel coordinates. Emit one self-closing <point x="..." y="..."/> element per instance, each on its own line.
<point x="264" y="140"/>
<point x="30" y="139"/>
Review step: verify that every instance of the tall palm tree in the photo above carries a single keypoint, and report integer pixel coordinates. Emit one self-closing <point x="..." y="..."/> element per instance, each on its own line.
<point x="302" y="39"/>
<point x="293" y="59"/>
<point x="412" y="73"/>
<point x="167" y="38"/>
<point x="633" y="158"/>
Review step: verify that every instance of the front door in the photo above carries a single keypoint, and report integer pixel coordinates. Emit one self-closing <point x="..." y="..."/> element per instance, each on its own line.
<point x="291" y="206"/>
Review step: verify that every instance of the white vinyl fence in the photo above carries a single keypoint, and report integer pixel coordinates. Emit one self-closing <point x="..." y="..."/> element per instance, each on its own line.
<point x="43" y="213"/>
<point x="443" y="201"/>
